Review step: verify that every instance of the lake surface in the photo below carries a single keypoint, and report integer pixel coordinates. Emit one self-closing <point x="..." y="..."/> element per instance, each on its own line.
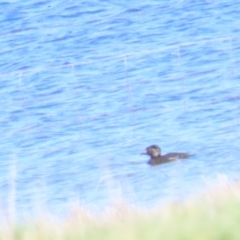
<point x="87" y="86"/>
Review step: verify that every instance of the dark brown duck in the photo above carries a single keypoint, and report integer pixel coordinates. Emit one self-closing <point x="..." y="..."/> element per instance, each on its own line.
<point x="154" y="152"/>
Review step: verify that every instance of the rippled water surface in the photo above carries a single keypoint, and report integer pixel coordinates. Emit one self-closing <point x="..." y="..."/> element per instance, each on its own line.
<point x="87" y="86"/>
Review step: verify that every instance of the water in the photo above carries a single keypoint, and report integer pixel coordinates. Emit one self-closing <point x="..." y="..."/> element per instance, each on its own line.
<point x="86" y="87"/>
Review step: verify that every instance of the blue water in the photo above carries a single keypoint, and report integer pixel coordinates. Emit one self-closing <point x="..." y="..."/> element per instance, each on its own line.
<point x="87" y="86"/>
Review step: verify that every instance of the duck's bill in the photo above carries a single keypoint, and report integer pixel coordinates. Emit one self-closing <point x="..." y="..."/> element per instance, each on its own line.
<point x="144" y="153"/>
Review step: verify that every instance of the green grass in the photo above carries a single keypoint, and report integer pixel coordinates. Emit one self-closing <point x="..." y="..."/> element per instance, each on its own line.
<point x="213" y="215"/>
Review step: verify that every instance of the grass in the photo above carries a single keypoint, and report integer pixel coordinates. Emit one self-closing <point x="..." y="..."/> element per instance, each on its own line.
<point x="213" y="215"/>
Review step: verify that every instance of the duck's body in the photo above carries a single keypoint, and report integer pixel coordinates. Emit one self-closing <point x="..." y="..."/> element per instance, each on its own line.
<point x="156" y="158"/>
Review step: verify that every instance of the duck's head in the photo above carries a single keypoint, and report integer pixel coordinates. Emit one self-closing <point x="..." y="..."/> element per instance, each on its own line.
<point x="153" y="151"/>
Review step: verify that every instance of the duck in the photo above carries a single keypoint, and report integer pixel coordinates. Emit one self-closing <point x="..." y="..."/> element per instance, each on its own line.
<point x="154" y="151"/>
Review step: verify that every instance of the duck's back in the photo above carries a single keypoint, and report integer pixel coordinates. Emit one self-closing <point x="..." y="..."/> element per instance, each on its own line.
<point x="176" y="155"/>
